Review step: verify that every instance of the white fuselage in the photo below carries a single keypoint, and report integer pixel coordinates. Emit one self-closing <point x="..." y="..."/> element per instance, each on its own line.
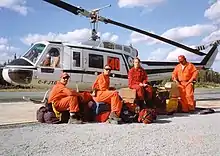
<point x="83" y="62"/>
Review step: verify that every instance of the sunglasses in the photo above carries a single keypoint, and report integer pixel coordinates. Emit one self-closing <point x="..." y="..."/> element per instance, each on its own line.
<point x="108" y="69"/>
<point x="66" y="78"/>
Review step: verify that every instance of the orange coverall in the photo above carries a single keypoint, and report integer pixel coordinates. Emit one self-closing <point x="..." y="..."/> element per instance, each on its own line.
<point x="105" y="95"/>
<point x="185" y="77"/>
<point x="64" y="98"/>
<point x="137" y="76"/>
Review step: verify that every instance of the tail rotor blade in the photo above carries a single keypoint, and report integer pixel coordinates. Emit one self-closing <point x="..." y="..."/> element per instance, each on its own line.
<point x="205" y="46"/>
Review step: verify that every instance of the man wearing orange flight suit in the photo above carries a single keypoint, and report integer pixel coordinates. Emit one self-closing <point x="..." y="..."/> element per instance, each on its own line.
<point x="66" y="99"/>
<point x="184" y="74"/>
<point x="138" y="79"/>
<point x="106" y="95"/>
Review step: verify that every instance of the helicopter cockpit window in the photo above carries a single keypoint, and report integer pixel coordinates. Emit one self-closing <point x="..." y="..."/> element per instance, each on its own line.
<point x="34" y="53"/>
<point x="127" y="49"/>
<point x="52" y="58"/>
<point x="119" y="47"/>
<point x="108" y="45"/>
<point x="76" y="59"/>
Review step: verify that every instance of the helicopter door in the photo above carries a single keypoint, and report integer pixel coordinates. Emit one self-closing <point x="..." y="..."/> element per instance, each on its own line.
<point x="50" y="66"/>
<point x="76" y="65"/>
<point x="93" y="65"/>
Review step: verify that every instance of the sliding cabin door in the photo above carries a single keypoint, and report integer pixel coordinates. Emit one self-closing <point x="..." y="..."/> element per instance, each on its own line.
<point x="76" y="68"/>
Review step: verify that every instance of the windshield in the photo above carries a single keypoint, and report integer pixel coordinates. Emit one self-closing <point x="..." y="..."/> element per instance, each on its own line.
<point x="34" y="53"/>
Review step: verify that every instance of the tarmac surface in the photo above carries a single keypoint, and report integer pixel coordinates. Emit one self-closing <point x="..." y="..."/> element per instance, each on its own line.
<point x="201" y="94"/>
<point x="176" y="135"/>
<point x="170" y="135"/>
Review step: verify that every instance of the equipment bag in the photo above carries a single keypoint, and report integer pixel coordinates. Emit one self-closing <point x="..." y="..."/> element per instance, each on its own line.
<point x="147" y="116"/>
<point x="46" y="116"/>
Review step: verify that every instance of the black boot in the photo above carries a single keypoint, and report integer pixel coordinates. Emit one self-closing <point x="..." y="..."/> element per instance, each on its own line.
<point x="113" y="118"/>
<point x="75" y="118"/>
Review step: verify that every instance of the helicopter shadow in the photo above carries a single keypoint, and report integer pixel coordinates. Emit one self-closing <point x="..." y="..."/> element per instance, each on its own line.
<point x="196" y="112"/>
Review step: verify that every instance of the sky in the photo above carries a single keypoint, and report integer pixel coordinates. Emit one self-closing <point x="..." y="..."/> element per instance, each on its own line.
<point x="189" y="22"/>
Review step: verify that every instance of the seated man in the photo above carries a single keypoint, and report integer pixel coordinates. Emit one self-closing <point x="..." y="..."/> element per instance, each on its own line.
<point x="66" y="99"/>
<point x="104" y="94"/>
<point x="47" y="61"/>
<point x="138" y="79"/>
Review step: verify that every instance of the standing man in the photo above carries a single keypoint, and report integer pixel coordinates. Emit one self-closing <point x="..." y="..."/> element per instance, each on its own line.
<point x="138" y="80"/>
<point x="184" y="74"/>
<point x="66" y="99"/>
<point x="106" y="95"/>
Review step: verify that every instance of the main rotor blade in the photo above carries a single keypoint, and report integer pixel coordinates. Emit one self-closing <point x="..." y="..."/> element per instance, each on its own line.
<point x="195" y="51"/>
<point x="64" y="6"/>
<point x="77" y="11"/>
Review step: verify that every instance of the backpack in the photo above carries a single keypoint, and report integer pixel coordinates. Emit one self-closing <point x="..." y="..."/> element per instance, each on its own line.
<point x="40" y="114"/>
<point x="128" y="114"/>
<point x="46" y="115"/>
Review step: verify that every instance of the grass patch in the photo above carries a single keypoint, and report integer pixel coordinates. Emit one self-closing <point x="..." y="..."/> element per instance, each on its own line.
<point x="23" y="90"/>
<point x="207" y="85"/>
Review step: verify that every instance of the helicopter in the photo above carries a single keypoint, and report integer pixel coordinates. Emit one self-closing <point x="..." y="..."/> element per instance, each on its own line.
<point x="44" y="61"/>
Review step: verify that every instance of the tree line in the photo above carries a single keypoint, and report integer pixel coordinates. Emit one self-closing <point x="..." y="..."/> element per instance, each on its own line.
<point x="6" y="62"/>
<point x="207" y="77"/>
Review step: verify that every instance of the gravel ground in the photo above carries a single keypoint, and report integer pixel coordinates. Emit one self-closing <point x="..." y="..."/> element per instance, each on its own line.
<point x="172" y="135"/>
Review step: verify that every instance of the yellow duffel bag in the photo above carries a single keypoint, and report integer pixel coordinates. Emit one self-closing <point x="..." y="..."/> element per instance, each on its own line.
<point x="171" y="105"/>
<point x="58" y="114"/>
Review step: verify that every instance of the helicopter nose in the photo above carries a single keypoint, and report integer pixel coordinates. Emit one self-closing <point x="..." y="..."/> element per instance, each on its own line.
<point x="5" y="76"/>
<point x="17" y="76"/>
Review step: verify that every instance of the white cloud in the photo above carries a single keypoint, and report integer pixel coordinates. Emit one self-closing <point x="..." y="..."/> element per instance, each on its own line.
<point x="15" y="5"/>
<point x="78" y="35"/>
<point x="138" y="3"/>
<point x="137" y="38"/>
<point x="158" y="54"/>
<point x="212" y="37"/>
<point x="213" y="12"/>
<point x="6" y="50"/>
<point x="3" y="40"/>
<point x="176" y="34"/>
<point x="72" y="37"/>
<point x="114" y="38"/>
<point x="108" y="36"/>
<point x="173" y="55"/>
<point x="180" y="33"/>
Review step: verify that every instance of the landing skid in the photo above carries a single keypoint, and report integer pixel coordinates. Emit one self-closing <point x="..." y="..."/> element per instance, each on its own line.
<point x="43" y="101"/>
<point x="32" y="100"/>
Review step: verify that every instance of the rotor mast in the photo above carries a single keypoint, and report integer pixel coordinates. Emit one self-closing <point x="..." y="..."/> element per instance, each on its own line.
<point x="94" y="19"/>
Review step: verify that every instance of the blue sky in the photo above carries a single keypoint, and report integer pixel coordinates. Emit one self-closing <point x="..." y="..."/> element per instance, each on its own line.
<point x="189" y="22"/>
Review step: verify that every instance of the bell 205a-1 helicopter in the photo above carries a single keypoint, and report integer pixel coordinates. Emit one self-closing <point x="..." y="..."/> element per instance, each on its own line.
<point x="84" y="61"/>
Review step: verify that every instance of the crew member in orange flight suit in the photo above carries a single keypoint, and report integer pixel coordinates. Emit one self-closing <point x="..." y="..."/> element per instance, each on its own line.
<point x="106" y="95"/>
<point x="137" y="79"/>
<point x="67" y="99"/>
<point x="184" y="74"/>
